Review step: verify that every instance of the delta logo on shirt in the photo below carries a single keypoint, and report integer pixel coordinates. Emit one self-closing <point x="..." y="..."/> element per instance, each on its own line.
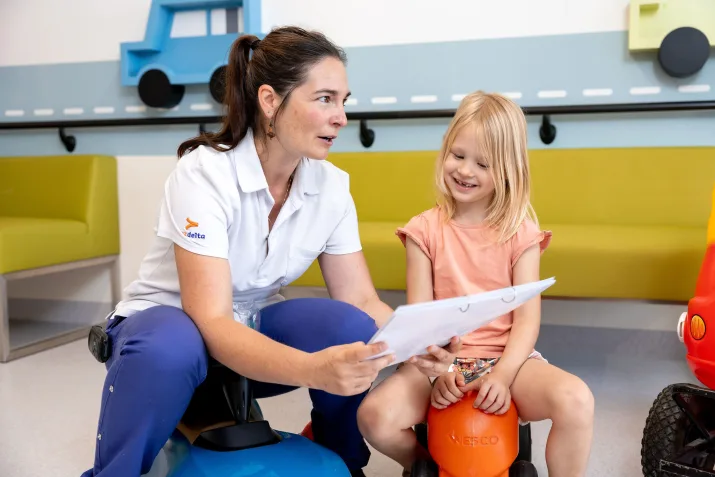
<point x="189" y="225"/>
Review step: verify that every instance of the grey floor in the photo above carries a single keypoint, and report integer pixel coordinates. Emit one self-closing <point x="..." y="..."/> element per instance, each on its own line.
<point x="626" y="352"/>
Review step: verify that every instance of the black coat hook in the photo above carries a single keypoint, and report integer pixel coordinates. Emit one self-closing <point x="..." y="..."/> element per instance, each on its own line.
<point x="367" y="135"/>
<point x="70" y="142"/>
<point x="547" y="131"/>
<point x="202" y="128"/>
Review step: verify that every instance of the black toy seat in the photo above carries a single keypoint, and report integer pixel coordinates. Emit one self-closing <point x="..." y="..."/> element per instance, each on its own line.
<point x="221" y="416"/>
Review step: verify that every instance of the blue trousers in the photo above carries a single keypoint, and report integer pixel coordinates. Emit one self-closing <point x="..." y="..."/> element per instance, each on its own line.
<point x="159" y="359"/>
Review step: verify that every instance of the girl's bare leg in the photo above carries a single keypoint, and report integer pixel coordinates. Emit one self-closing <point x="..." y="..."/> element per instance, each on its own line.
<point x="389" y="412"/>
<point x="543" y="391"/>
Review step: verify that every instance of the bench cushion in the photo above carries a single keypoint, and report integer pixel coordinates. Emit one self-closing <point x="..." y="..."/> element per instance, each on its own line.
<point x="634" y="262"/>
<point x="627" y="222"/>
<point x="596" y="261"/>
<point x="27" y="243"/>
<point x="57" y="209"/>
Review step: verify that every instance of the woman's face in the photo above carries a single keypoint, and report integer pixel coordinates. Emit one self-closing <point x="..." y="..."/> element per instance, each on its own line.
<point x="315" y="112"/>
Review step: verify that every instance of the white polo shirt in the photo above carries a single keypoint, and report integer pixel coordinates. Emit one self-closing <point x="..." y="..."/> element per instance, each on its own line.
<point x="217" y="204"/>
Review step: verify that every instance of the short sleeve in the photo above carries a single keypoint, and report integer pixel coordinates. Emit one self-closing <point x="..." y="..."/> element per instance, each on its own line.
<point x="527" y="236"/>
<point x="416" y="229"/>
<point x="346" y="235"/>
<point x="195" y="213"/>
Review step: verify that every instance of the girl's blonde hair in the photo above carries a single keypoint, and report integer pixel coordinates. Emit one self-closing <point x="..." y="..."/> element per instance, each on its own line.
<point x="501" y="128"/>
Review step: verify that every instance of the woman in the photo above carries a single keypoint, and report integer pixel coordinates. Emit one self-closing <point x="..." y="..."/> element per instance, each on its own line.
<point x="244" y="214"/>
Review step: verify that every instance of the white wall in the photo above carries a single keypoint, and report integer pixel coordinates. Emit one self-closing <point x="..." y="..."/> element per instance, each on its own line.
<point x="42" y="31"/>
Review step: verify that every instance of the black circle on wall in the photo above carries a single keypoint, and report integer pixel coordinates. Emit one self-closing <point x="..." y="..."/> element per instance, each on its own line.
<point x="217" y="84"/>
<point x="156" y="91"/>
<point x="683" y="52"/>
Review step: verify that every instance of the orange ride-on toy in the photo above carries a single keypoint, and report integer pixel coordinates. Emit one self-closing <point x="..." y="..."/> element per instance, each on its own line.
<point x="465" y="442"/>
<point x="679" y="434"/>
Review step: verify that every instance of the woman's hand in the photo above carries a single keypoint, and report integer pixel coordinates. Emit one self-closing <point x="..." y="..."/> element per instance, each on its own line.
<point x="437" y="362"/>
<point x="494" y="396"/>
<point x="345" y="370"/>
<point x="446" y="390"/>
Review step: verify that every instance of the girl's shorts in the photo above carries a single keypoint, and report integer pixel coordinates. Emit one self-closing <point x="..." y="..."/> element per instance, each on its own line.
<point x="474" y="368"/>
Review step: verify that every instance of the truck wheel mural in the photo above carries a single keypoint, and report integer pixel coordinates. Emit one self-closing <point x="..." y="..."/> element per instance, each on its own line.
<point x="217" y="85"/>
<point x="684" y="52"/>
<point x="681" y="31"/>
<point x="186" y="42"/>
<point x="156" y="91"/>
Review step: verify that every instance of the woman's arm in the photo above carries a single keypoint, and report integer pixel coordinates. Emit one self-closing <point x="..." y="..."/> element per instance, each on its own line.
<point x="527" y="318"/>
<point x="206" y="297"/>
<point x="348" y="279"/>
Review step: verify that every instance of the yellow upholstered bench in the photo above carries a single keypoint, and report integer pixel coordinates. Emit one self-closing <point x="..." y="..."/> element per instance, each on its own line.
<point x="628" y="222"/>
<point x="56" y="214"/>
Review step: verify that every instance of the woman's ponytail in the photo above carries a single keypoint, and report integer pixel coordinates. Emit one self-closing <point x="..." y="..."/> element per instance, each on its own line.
<point x="238" y="99"/>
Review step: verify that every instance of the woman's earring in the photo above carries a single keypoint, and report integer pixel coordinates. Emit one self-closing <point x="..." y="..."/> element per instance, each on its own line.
<point x="271" y="133"/>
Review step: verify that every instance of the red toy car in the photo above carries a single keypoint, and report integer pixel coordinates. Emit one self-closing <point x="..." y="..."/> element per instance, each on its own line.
<point x="679" y="434"/>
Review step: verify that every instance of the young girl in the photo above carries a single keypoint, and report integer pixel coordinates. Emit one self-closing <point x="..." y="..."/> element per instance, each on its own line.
<point x="482" y="235"/>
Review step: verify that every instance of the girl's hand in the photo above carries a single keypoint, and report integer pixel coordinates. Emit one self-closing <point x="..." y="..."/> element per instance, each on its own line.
<point x="493" y="395"/>
<point x="437" y="362"/>
<point x="446" y="390"/>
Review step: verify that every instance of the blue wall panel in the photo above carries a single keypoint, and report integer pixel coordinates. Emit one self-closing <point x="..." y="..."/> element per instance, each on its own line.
<point x="602" y="130"/>
<point x="550" y="70"/>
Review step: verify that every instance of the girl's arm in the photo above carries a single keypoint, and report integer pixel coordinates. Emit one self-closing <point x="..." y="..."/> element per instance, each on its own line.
<point x="420" y="289"/>
<point x="419" y="274"/>
<point x="527" y="318"/>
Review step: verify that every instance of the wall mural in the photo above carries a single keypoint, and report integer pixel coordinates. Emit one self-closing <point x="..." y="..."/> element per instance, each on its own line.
<point x="663" y="61"/>
<point x="186" y="42"/>
<point x="681" y="31"/>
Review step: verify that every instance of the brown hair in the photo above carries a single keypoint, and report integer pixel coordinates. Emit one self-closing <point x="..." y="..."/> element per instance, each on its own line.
<point x="281" y="60"/>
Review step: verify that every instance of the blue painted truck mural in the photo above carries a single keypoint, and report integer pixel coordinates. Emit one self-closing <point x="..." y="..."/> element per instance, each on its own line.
<point x="186" y="42"/>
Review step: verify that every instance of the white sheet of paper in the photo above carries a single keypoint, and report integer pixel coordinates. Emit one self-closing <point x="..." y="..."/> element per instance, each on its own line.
<point x="412" y="328"/>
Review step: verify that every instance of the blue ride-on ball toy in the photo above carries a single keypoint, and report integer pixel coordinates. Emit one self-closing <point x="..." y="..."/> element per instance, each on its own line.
<point x="223" y="434"/>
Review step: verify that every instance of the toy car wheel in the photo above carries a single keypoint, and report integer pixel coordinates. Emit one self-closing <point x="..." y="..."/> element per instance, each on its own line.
<point x="217" y="84"/>
<point x="424" y="468"/>
<point x="156" y="91"/>
<point x="683" y="52"/>
<point x="522" y="468"/>
<point x="667" y="430"/>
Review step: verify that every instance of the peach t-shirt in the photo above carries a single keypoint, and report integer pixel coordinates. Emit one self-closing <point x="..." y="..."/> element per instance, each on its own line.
<point x="466" y="259"/>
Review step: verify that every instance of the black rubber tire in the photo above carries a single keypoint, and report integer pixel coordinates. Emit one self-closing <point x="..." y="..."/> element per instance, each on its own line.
<point x="217" y="84"/>
<point x="665" y="433"/>
<point x="524" y="443"/>
<point x="683" y="52"/>
<point x="424" y="468"/>
<point x="522" y="468"/>
<point x="156" y="91"/>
